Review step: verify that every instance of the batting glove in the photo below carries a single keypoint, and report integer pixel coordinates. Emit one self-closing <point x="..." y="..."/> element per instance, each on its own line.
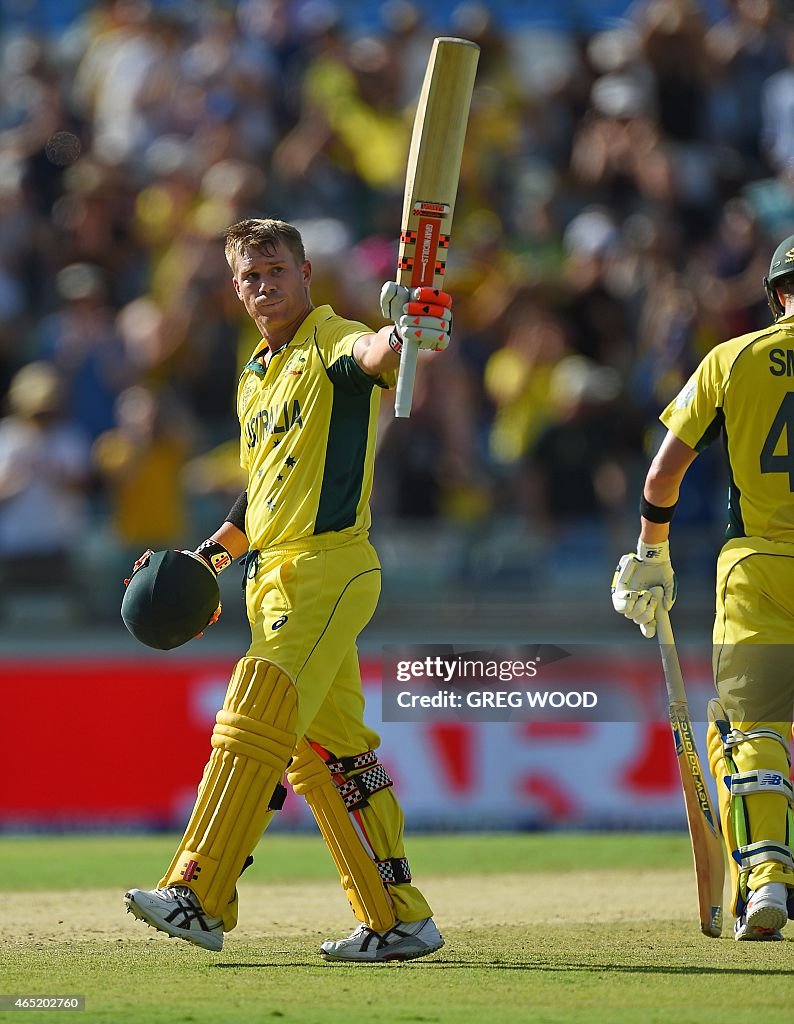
<point x="636" y="574"/>
<point x="216" y="558"/>
<point x="423" y="314"/>
<point x="215" y="616"/>
<point x="140" y="562"/>
<point x="214" y="555"/>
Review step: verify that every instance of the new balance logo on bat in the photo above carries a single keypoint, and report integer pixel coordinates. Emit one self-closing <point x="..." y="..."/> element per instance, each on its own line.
<point x="685" y="744"/>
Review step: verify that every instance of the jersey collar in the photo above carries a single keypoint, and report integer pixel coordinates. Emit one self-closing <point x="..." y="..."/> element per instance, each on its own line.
<point x="300" y="339"/>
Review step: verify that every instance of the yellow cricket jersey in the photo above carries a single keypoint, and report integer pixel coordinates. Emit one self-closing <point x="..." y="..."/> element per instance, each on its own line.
<point x="308" y="424"/>
<point x="744" y="390"/>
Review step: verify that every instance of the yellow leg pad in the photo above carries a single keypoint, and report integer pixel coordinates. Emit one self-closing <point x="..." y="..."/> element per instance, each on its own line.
<point x="754" y="817"/>
<point x="231" y="910"/>
<point x="767" y="813"/>
<point x="358" y="873"/>
<point x="252" y="741"/>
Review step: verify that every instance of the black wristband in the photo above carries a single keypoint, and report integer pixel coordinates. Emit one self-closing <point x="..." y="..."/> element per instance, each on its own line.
<point x="215" y="555"/>
<point x="236" y="514"/>
<point x="656" y="513"/>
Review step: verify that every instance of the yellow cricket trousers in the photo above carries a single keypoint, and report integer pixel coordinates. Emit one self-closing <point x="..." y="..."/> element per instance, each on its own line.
<point x="306" y="605"/>
<point x="754" y="673"/>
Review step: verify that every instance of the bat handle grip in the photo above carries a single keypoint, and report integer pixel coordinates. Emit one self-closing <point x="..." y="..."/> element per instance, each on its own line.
<point x="405" y="378"/>
<point x="674" y="679"/>
<point x="664" y="631"/>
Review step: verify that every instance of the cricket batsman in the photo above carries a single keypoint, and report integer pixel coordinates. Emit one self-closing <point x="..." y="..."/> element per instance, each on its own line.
<point x="743" y="393"/>
<point x="308" y="403"/>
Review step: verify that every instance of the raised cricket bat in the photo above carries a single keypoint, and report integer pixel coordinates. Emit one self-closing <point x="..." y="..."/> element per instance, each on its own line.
<point x="431" y="182"/>
<point x="703" y="823"/>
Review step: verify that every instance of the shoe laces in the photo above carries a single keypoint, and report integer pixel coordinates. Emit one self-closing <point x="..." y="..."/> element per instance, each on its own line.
<point x="181" y="890"/>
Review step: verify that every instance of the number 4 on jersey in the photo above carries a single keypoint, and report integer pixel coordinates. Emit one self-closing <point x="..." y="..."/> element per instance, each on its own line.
<point x="783" y="422"/>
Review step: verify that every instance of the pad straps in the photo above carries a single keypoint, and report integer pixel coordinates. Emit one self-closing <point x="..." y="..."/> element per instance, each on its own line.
<point x="394" y="870"/>
<point x="742" y="783"/>
<point x="733" y="737"/>
<point x="356" y="791"/>
<point x="753" y="854"/>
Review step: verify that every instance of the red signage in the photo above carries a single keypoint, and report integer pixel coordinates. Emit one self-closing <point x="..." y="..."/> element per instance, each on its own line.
<point x="123" y="742"/>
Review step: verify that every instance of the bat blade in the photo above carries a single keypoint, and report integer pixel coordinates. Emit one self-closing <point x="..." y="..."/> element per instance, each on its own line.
<point x="707" y="849"/>
<point x="431" y="181"/>
<point x="703" y="823"/>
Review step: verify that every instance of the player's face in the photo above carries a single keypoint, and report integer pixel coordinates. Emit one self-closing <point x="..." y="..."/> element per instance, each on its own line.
<point x="274" y="288"/>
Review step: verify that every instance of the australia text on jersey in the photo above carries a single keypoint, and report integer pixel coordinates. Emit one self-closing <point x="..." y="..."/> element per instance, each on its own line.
<point x="275" y="420"/>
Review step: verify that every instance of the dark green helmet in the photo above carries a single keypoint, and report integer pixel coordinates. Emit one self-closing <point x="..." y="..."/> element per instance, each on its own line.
<point x="170" y="598"/>
<point x="781" y="266"/>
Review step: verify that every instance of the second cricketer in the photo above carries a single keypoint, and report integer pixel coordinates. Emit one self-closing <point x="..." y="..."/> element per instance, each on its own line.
<point x="743" y="393"/>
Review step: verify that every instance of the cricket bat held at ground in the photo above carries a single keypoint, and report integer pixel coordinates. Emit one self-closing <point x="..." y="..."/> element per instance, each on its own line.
<point x="703" y="822"/>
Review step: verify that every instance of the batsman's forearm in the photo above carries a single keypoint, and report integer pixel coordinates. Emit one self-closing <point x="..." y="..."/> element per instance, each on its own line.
<point x="662" y="485"/>
<point x="233" y="539"/>
<point x="653" y="533"/>
<point x="374" y="354"/>
<point x="662" y="490"/>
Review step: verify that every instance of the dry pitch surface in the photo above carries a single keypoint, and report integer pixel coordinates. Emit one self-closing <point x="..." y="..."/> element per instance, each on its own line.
<point x="315" y="908"/>
<point x="540" y="941"/>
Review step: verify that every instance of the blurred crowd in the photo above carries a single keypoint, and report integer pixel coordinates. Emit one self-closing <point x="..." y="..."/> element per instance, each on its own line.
<point x="621" y="193"/>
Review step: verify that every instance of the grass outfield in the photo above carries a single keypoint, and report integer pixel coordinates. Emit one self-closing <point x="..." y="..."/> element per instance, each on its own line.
<point x="543" y="928"/>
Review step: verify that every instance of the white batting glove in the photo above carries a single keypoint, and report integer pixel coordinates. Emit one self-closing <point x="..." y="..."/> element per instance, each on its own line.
<point x="635" y="576"/>
<point x="424" y="314"/>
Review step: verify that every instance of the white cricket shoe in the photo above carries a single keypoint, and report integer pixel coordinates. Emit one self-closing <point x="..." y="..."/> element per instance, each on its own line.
<point x="176" y="911"/>
<point x="407" y="940"/>
<point x="766" y="913"/>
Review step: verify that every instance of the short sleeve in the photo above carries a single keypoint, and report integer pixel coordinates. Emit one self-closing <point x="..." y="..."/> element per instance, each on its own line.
<point x="335" y="338"/>
<point x="335" y="341"/>
<point x="695" y="415"/>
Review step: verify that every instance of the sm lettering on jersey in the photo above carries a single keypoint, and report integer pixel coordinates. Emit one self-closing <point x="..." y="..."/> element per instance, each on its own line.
<point x="277" y="420"/>
<point x="781" y="362"/>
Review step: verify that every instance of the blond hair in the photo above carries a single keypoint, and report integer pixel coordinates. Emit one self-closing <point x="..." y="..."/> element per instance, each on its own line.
<point x="264" y="234"/>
